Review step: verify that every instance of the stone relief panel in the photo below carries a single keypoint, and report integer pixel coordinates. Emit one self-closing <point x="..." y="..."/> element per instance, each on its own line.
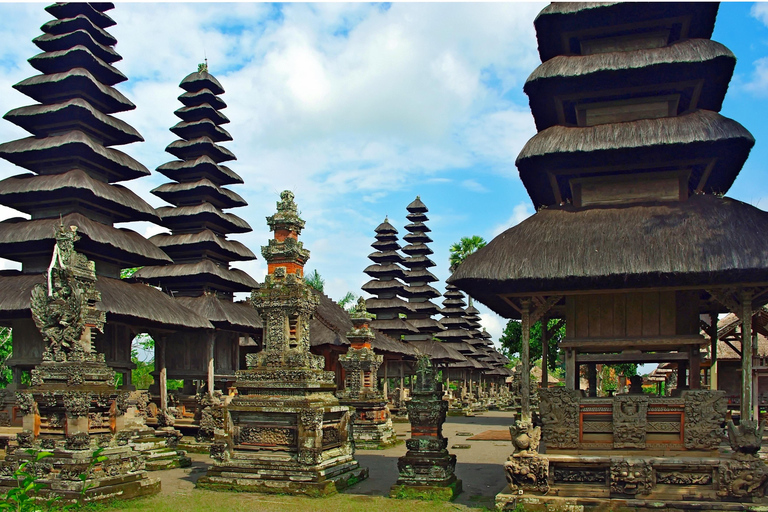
<point x="631" y="476"/>
<point x="704" y="417"/>
<point x="629" y="421"/>
<point x="560" y="417"/>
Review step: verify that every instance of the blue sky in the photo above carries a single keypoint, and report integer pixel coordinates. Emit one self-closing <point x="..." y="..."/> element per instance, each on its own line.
<point x="358" y="108"/>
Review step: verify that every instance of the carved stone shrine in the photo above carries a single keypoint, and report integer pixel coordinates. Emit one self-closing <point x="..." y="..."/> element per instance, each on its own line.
<point x="427" y="469"/>
<point x="285" y="431"/>
<point x="372" y="423"/>
<point x="72" y="407"/>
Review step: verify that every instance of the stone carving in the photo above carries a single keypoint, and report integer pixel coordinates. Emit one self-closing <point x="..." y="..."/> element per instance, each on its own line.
<point x="76" y="403"/>
<point x="525" y="438"/>
<point x="629" y="421"/>
<point x="560" y="417"/>
<point x="64" y="309"/>
<point x="580" y="475"/>
<point x="25" y="438"/>
<point x="680" y="478"/>
<point x="219" y="451"/>
<point x="746" y="438"/>
<point x="704" y="417"/>
<point x="527" y="473"/>
<point x="271" y="436"/>
<point x="26" y="403"/>
<point x="331" y="436"/>
<point x="79" y="441"/>
<point x="742" y="478"/>
<point x="631" y="476"/>
<point x="165" y="418"/>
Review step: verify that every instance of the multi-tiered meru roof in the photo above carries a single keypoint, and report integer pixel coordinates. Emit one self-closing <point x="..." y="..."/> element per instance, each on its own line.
<point x="631" y="160"/>
<point x="386" y="284"/>
<point x="200" y="276"/>
<point x="74" y="171"/>
<point x="418" y="277"/>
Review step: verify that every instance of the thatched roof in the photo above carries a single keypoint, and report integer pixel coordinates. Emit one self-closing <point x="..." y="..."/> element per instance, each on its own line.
<point x="21" y="239"/>
<point x="201" y="128"/>
<point x="139" y="305"/>
<point x="438" y="352"/>
<point x="79" y="22"/>
<point x="706" y="239"/>
<point x="30" y="193"/>
<point x="560" y="18"/>
<point x="224" y="314"/>
<point x="76" y="113"/>
<point x="71" y="150"/>
<point x="187" y="192"/>
<point x="660" y="68"/>
<point x="191" y="275"/>
<point x="73" y="83"/>
<point x="392" y="325"/>
<point x="573" y="151"/>
<point x="198" y="112"/>
<point x="202" y="216"/>
<point x="205" y="241"/>
<point x="201" y="167"/>
<point x="92" y="11"/>
<point x="202" y="96"/>
<point x="77" y="57"/>
<point x="201" y="80"/>
<point x="53" y="43"/>
<point x="191" y="149"/>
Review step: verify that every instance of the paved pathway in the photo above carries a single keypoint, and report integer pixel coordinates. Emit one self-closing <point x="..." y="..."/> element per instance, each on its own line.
<point x="479" y="467"/>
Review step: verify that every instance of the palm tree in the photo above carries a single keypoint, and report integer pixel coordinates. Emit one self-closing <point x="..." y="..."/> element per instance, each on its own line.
<point x="315" y="280"/>
<point x="462" y="249"/>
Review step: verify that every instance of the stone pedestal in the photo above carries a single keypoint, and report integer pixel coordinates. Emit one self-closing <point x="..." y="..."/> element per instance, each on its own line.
<point x="427" y="469"/>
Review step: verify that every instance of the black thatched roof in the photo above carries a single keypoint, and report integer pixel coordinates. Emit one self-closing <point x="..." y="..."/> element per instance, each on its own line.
<point x="76" y="82"/>
<point x="192" y="275"/>
<point x="201" y="80"/>
<point x="202" y="96"/>
<point x="201" y="216"/>
<point x="201" y="128"/>
<point x="198" y="191"/>
<point x="191" y="149"/>
<point x="77" y="57"/>
<point x="438" y="352"/>
<point x="93" y="11"/>
<point x="704" y="240"/>
<point x="24" y="238"/>
<point x="53" y="43"/>
<point x="574" y="151"/>
<point x="79" y="22"/>
<point x="201" y="167"/>
<point x="560" y="18"/>
<point x="671" y="68"/>
<point x="137" y="304"/>
<point x="224" y="314"/>
<point x="30" y="193"/>
<point x="202" y="242"/>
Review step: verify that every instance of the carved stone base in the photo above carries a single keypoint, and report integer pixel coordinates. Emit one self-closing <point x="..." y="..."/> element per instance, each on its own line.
<point x="121" y="475"/>
<point x="159" y="448"/>
<point x="427" y="492"/>
<point x="371" y="424"/>
<point x="549" y="503"/>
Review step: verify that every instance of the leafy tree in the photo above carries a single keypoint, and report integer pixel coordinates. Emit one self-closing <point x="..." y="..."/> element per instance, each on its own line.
<point x="141" y="376"/>
<point x="315" y="280"/>
<point x="463" y="248"/>
<point x="6" y="345"/>
<point x="348" y="301"/>
<point x="127" y="273"/>
<point x="512" y="338"/>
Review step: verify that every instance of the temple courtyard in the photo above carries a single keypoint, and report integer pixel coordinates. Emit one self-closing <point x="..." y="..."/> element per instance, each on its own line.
<point x="479" y="467"/>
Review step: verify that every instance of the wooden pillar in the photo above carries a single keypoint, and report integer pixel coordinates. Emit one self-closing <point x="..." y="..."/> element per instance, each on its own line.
<point x="385" y="387"/>
<point x="746" y="357"/>
<point x="713" y="350"/>
<point x="592" y="379"/>
<point x="163" y="371"/>
<point x="544" y="353"/>
<point x="682" y="375"/>
<point x="694" y="380"/>
<point x="402" y="383"/>
<point x="211" y="351"/>
<point x="525" y="377"/>
<point x="571" y="373"/>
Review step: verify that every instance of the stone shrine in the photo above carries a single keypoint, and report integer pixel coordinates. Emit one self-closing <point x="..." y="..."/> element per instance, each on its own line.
<point x="72" y="407"/>
<point x="372" y="424"/>
<point x="285" y="430"/>
<point x="427" y="469"/>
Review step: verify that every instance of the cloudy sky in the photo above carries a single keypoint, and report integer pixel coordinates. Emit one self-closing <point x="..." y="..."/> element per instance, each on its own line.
<point x="359" y="108"/>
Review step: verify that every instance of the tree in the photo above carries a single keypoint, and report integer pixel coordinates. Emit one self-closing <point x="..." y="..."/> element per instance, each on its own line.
<point x="512" y="338"/>
<point x="348" y="301"/>
<point x="315" y="280"/>
<point x="463" y="248"/>
<point x="6" y="344"/>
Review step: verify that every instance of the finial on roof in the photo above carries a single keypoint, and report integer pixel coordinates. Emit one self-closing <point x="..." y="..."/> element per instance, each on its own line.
<point x="203" y="67"/>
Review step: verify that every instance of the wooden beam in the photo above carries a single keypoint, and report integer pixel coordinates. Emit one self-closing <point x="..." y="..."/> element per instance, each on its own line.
<point x="632" y="357"/>
<point x="544" y="353"/>
<point x="746" y="356"/>
<point x="525" y="377"/>
<point x="544" y="305"/>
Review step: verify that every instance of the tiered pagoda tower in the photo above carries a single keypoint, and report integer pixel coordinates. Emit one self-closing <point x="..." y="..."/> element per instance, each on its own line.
<point x="386" y="285"/>
<point x="459" y="337"/>
<point x="73" y="181"/>
<point x="200" y="277"/>
<point x="634" y="242"/>
<point x="285" y="430"/>
<point x="418" y="277"/>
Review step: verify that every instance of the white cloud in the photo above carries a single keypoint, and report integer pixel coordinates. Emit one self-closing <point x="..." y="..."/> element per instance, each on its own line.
<point x="473" y="185"/>
<point x="760" y="11"/>
<point x="758" y="81"/>
<point x="492" y="323"/>
<point x="520" y="212"/>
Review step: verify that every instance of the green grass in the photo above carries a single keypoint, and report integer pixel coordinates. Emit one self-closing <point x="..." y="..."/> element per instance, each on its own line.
<point x="212" y="501"/>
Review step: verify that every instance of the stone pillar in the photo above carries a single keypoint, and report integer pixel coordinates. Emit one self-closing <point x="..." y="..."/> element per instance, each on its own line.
<point x="746" y="357"/>
<point x="525" y="376"/>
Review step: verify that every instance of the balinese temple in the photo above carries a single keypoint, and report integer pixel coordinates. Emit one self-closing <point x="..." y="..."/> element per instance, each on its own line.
<point x="200" y="277"/>
<point x="418" y="277"/>
<point x="386" y="274"/>
<point x="633" y="240"/>
<point x="73" y="179"/>
<point x="457" y="335"/>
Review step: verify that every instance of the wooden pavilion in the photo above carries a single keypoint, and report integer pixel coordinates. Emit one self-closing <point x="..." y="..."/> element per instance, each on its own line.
<point x="632" y="242"/>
